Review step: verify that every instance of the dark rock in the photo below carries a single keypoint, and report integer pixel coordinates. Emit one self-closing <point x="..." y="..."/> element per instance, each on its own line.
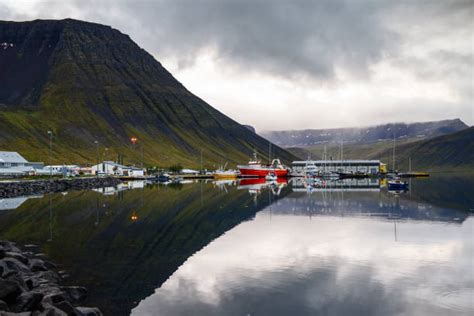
<point x="31" y="246"/>
<point x="12" y="189"/>
<point x="50" y="265"/>
<point x="27" y="301"/>
<point x="9" y="291"/>
<point x="20" y="280"/>
<point x="89" y="311"/>
<point x="50" y="276"/>
<point x="40" y="255"/>
<point x="11" y="266"/>
<point x="37" y="265"/>
<point x="3" y="306"/>
<point x="29" y="286"/>
<point x="76" y="293"/>
<point x="53" y="299"/>
<point x="15" y="314"/>
<point x="18" y="256"/>
<point x="2" y="253"/>
<point x="66" y="307"/>
<point x="52" y="311"/>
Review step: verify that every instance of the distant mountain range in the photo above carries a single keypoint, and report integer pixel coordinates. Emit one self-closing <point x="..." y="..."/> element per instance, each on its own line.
<point x="88" y="82"/>
<point x="360" y="135"/>
<point x="454" y="151"/>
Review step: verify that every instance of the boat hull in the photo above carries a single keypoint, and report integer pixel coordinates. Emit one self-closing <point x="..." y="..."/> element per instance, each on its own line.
<point x="262" y="172"/>
<point x="225" y="176"/>
<point x="397" y="186"/>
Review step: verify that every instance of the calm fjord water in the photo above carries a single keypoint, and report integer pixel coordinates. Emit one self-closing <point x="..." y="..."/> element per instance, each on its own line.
<point x="248" y="249"/>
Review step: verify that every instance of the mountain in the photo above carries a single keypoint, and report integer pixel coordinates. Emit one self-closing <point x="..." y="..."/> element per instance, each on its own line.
<point x="403" y="131"/>
<point x="449" y="152"/>
<point x="88" y="82"/>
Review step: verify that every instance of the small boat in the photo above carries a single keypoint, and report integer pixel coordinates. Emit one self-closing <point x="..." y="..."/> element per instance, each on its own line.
<point x="177" y="179"/>
<point x="397" y="185"/>
<point x="164" y="177"/>
<point x="256" y="169"/>
<point x="271" y="177"/>
<point x="226" y="174"/>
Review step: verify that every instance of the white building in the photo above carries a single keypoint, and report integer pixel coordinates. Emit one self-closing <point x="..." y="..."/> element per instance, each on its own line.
<point x="67" y="170"/>
<point x="13" y="164"/>
<point x="347" y="166"/>
<point x="112" y="168"/>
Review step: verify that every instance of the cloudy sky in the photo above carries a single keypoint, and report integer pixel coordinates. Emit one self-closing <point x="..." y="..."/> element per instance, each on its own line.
<point x="289" y="64"/>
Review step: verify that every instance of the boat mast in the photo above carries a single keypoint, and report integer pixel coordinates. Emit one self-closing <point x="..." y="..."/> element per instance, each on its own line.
<point x="324" y="158"/>
<point x="342" y="154"/>
<point x="393" y="153"/>
<point x="269" y="153"/>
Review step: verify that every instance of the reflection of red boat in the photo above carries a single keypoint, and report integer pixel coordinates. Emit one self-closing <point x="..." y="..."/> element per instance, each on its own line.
<point x="256" y="169"/>
<point x="252" y="181"/>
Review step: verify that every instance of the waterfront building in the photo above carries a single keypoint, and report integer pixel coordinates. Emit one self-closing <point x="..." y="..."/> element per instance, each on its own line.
<point x="67" y="170"/>
<point x="113" y="168"/>
<point x="13" y="164"/>
<point x="373" y="167"/>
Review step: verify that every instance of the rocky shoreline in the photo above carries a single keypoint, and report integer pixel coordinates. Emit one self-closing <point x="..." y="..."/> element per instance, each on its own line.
<point x="35" y="187"/>
<point x="29" y="285"/>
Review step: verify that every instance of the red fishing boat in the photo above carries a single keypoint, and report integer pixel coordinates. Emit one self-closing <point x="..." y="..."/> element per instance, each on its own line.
<point x="256" y="169"/>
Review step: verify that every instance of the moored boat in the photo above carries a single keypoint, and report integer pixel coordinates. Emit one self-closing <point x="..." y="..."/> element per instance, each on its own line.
<point x="256" y="169"/>
<point x="226" y="174"/>
<point x="397" y="184"/>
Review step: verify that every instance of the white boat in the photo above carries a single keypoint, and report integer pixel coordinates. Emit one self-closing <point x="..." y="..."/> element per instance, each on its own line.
<point x="310" y="170"/>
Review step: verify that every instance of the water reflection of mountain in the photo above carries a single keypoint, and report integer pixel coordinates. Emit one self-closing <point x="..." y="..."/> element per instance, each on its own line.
<point x="369" y="204"/>
<point x="124" y="246"/>
<point x="452" y="190"/>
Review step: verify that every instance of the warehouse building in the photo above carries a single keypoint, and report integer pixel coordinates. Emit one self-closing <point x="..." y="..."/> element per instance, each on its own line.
<point x="373" y="167"/>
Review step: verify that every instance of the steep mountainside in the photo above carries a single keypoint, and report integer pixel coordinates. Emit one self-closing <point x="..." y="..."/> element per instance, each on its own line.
<point x="454" y="151"/>
<point x="88" y="82"/>
<point x="412" y="131"/>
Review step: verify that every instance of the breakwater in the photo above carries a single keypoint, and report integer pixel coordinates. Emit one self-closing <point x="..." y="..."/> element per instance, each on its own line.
<point x="29" y="284"/>
<point x="34" y="187"/>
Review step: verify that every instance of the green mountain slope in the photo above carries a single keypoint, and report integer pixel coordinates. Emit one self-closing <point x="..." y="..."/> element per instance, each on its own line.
<point x="454" y="151"/>
<point x="88" y="82"/>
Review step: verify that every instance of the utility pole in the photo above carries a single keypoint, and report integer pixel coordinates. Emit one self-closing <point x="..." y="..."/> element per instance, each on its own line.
<point x="97" y="157"/>
<point x="105" y="160"/>
<point x="50" y="133"/>
<point x="269" y="153"/>
<point x="133" y="140"/>
<point x="142" y="155"/>
<point x="201" y="171"/>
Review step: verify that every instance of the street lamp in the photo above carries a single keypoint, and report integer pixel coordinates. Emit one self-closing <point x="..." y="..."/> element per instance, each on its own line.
<point x="50" y="134"/>
<point x="134" y="141"/>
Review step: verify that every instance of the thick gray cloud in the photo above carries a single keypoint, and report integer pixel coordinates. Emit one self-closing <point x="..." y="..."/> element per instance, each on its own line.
<point x="314" y="44"/>
<point x="285" y="38"/>
<point x="308" y="39"/>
